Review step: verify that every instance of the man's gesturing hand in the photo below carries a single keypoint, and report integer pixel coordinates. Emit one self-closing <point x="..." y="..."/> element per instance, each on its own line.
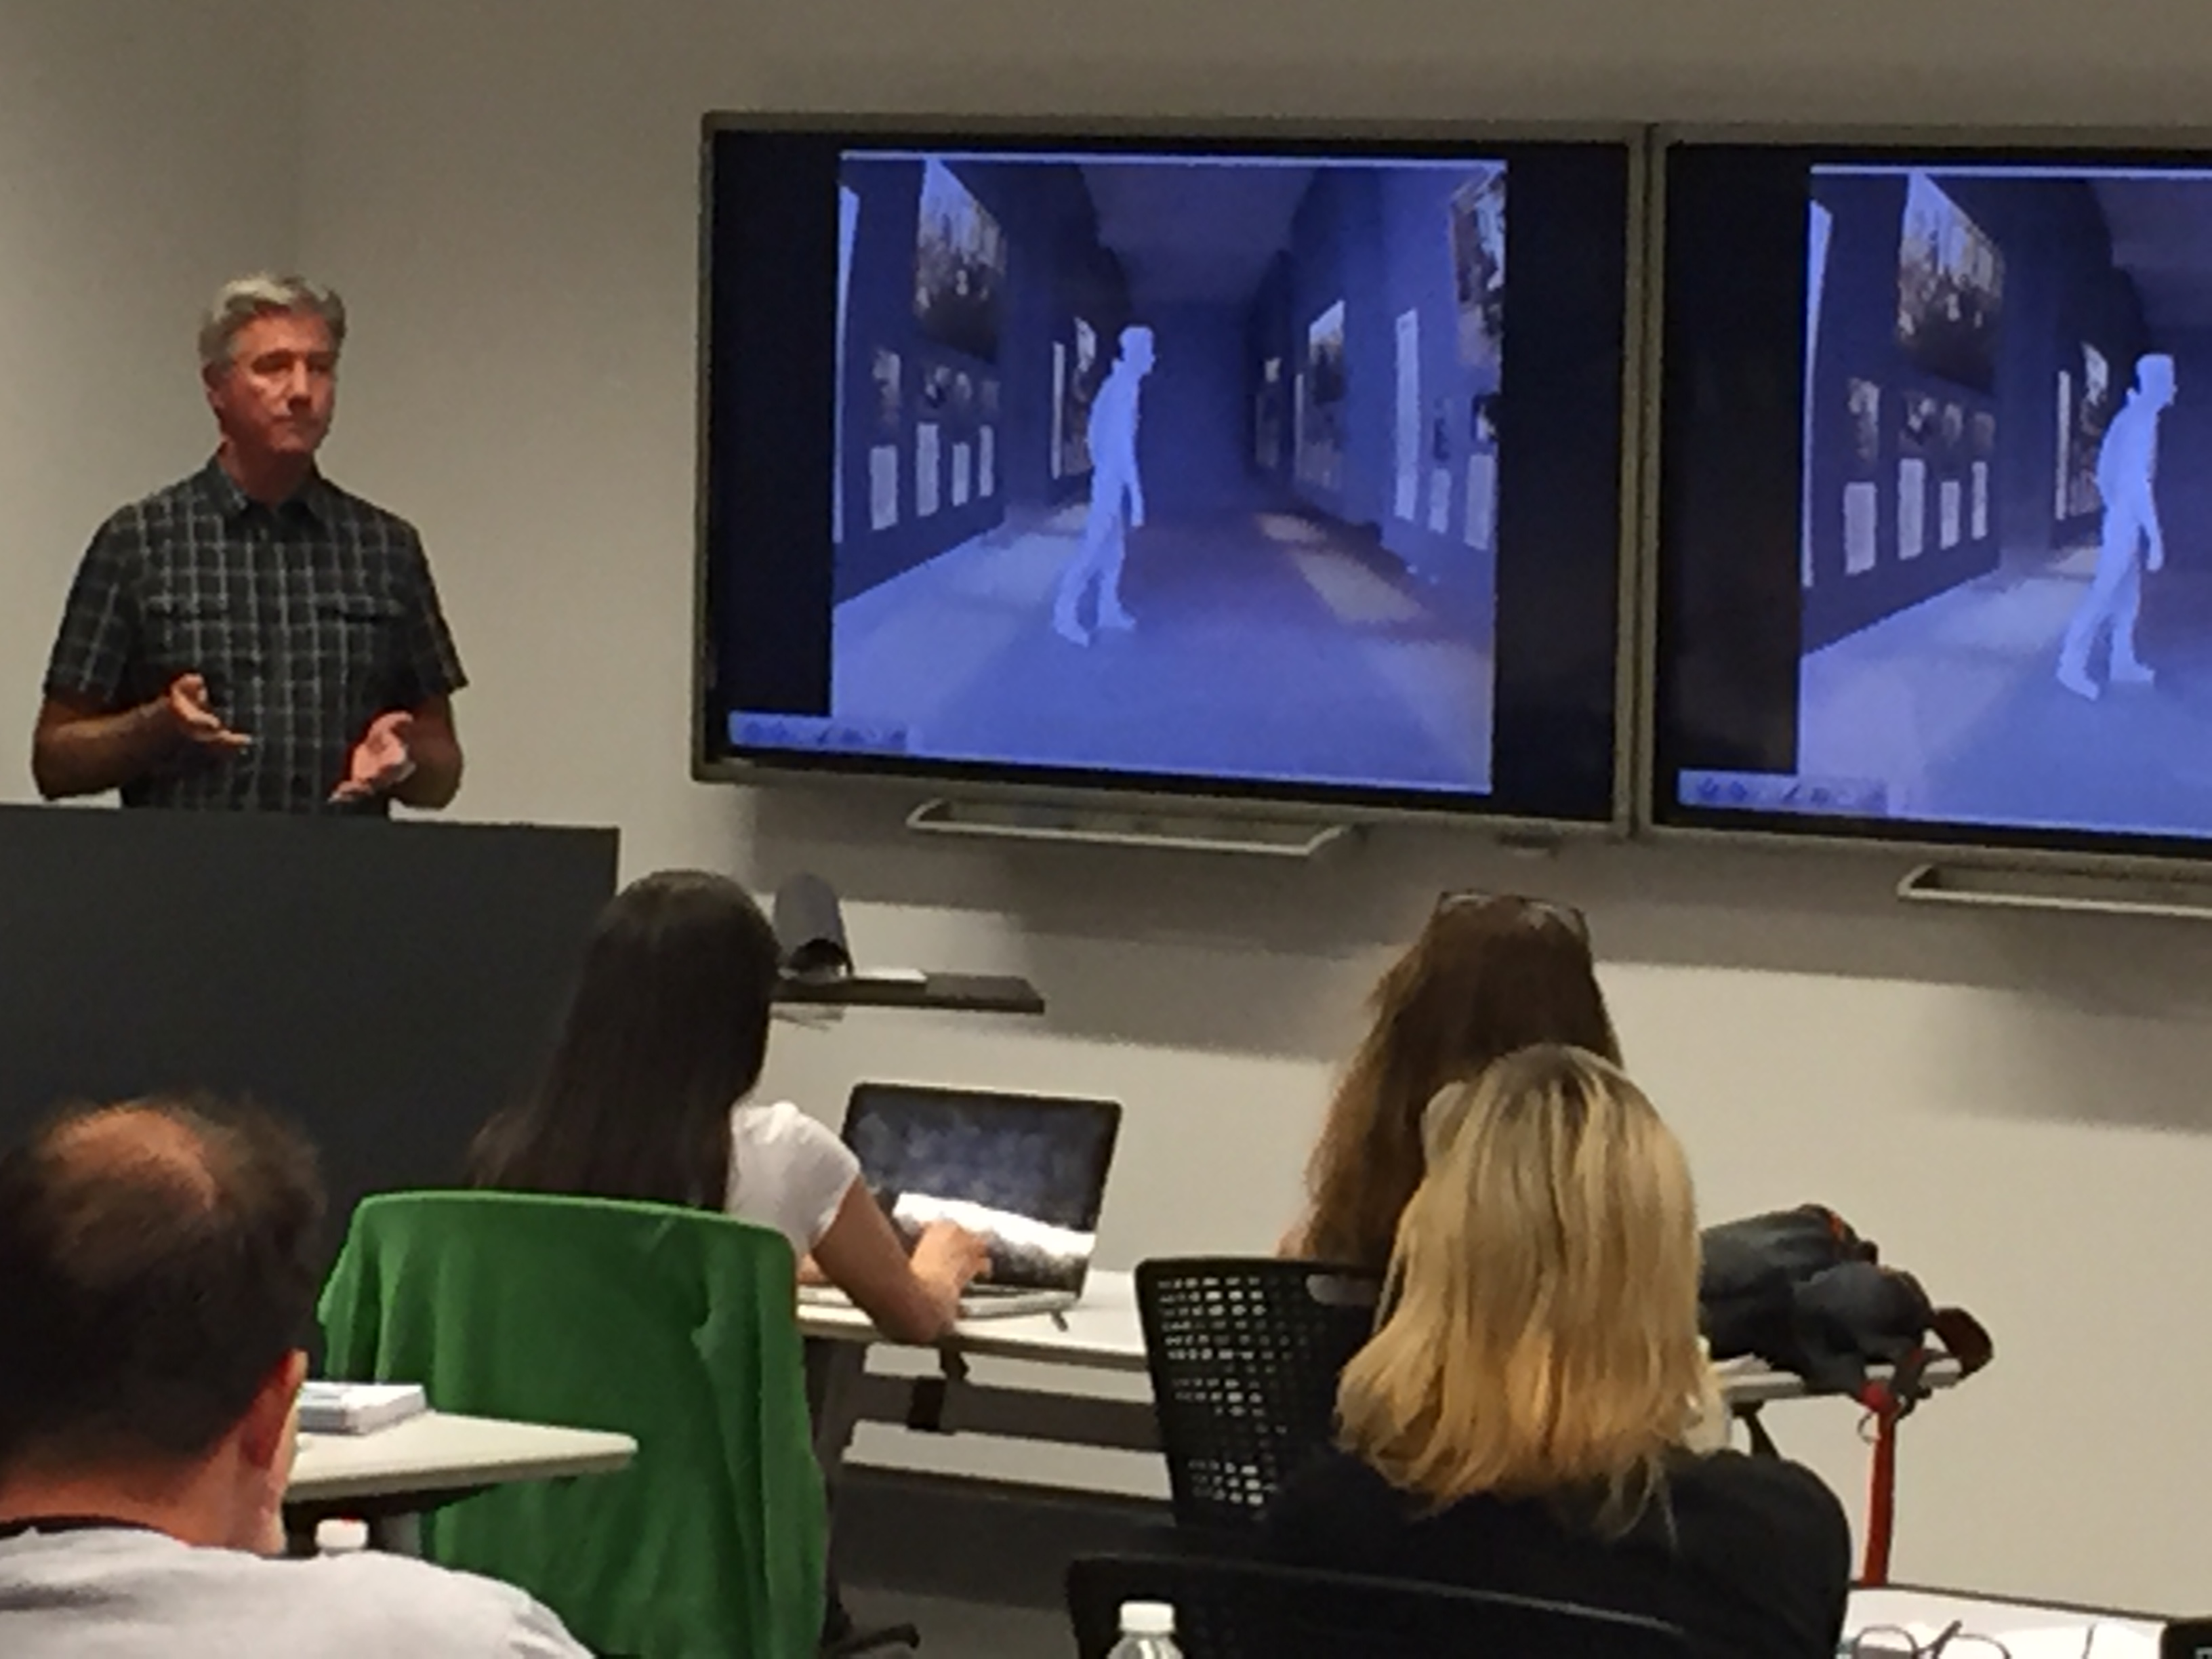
<point x="380" y="760"/>
<point x="186" y="708"/>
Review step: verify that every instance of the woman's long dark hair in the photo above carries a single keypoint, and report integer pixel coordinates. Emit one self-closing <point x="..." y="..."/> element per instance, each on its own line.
<point x="666" y="1031"/>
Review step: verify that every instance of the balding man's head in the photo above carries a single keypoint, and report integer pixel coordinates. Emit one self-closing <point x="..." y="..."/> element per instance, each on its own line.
<point x="157" y="1261"/>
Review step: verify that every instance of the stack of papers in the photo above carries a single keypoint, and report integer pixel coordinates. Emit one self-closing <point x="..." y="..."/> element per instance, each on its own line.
<point x="358" y="1407"/>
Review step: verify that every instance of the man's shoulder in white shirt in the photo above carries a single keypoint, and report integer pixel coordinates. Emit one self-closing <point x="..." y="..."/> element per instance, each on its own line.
<point x="121" y="1593"/>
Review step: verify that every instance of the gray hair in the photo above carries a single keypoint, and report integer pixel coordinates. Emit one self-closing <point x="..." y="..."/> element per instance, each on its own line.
<point x="262" y="295"/>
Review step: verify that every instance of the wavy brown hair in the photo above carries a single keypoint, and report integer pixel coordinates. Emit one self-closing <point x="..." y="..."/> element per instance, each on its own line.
<point x="1488" y="976"/>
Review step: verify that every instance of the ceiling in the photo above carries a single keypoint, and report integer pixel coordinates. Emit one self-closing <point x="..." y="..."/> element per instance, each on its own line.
<point x="2162" y="237"/>
<point x="1194" y="232"/>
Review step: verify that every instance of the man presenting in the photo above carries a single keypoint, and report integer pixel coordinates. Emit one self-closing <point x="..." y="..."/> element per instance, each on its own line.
<point x="254" y="637"/>
<point x="160" y="1267"/>
<point x="2127" y="472"/>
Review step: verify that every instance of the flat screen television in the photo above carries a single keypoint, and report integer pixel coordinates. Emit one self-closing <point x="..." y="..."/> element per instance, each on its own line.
<point x="1279" y="465"/>
<point x="1935" y="560"/>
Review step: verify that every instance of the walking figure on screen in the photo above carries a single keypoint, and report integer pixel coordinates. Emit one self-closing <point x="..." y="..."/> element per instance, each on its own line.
<point x="2127" y="471"/>
<point x="1117" y="495"/>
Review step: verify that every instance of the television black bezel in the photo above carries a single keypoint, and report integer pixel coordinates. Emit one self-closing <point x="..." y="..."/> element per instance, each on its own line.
<point x="1119" y="792"/>
<point x="1658" y="817"/>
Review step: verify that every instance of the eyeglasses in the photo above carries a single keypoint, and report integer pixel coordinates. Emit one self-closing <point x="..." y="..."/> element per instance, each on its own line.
<point x="1550" y="909"/>
<point x="1954" y="1641"/>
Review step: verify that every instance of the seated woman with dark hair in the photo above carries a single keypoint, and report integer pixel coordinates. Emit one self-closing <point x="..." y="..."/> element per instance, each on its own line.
<point x="1522" y="1420"/>
<point x="1488" y="974"/>
<point x="646" y="1098"/>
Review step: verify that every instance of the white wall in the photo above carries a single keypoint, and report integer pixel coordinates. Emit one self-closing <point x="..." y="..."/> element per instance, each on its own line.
<point x="147" y="153"/>
<point x="507" y="191"/>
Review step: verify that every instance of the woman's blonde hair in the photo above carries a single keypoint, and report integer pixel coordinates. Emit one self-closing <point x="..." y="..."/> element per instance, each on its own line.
<point x="1540" y="1332"/>
<point x="1487" y="975"/>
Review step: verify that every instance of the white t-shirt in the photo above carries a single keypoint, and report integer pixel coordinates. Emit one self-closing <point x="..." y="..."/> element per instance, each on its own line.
<point x="787" y="1171"/>
<point x="118" y="1593"/>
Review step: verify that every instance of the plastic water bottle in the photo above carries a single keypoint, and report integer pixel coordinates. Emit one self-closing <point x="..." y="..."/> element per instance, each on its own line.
<point x="337" y="1537"/>
<point x="1147" y="1632"/>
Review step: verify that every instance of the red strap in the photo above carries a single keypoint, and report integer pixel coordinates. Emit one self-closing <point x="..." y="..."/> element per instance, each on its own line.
<point x="1881" y="1497"/>
<point x="1889" y="1402"/>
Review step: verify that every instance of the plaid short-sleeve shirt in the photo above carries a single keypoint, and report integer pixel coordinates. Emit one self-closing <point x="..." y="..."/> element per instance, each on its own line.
<point x="308" y="621"/>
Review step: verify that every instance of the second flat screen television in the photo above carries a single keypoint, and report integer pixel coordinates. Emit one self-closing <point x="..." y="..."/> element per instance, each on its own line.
<point x="1936" y="546"/>
<point x="1285" y="468"/>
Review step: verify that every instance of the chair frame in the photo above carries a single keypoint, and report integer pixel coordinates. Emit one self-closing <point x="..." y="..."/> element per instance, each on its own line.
<point x="1230" y="1608"/>
<point x="1232" y="1438"/>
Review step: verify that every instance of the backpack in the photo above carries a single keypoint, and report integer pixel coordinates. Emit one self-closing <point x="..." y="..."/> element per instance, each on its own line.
<point x="1801" y="1290"/>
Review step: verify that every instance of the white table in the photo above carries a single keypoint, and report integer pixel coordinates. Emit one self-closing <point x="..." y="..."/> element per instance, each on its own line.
<point x="390" y="1476"/>
<point x="1100" y="1333"/>
<point x="2031" y="1630"/>
<point x="1747" y="1383"/>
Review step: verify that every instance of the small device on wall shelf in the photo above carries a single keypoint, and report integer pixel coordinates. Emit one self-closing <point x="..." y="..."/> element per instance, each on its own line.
<point x="818" y="970"/>
<point x="952" y="994"/>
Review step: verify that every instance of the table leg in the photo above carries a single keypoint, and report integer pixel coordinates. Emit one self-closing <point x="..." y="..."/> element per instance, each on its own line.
<point x="835" y="1373"/>
<point x="834" y="1370"/>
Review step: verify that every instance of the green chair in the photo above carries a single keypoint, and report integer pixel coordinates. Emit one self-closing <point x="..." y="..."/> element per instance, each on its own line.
<point x="675" y="1327"/>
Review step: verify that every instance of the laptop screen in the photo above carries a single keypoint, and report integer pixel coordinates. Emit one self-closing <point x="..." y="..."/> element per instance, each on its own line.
<point x="1027" y="1172"/>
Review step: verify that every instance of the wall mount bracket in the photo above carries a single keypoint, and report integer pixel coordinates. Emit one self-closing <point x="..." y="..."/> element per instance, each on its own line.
<point x="1183" y="831"/>
<point x="2028" y="888"/>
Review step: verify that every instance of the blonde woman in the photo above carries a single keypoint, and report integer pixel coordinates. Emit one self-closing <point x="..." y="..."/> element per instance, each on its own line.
<point x="1489" y="974"/>
<point x="1522" y="1418"/>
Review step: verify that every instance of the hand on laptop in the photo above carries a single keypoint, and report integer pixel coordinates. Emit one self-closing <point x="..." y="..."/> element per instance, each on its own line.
<point x="947" y="1256"/>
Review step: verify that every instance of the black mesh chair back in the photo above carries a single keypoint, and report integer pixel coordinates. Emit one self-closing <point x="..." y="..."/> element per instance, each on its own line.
<point x="1227" y="1609"/>
<point x="1244" y="1353"/>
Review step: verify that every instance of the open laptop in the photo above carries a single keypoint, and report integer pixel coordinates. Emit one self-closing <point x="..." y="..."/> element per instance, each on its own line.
<point x="1026" y="1171"/>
